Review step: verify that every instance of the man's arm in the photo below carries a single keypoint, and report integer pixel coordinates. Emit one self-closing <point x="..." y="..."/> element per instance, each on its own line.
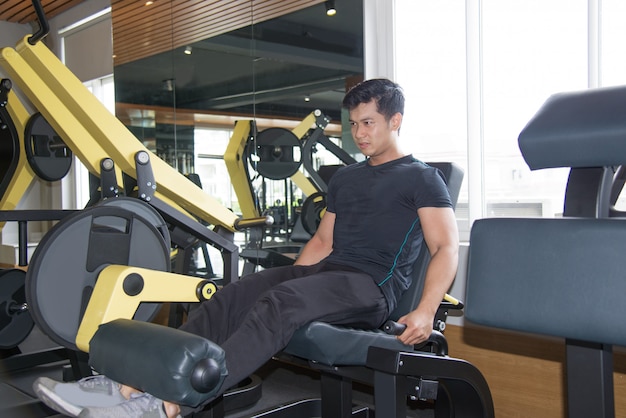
<point x="442" y="238"/>
<point x="321" y="244"/>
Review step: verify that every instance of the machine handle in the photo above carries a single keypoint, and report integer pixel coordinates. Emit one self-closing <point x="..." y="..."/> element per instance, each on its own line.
<point x="393" y="328"/>
<point x="44" y="27"/>
<point x="244" y="223"/>
<point x="436" y="338"/>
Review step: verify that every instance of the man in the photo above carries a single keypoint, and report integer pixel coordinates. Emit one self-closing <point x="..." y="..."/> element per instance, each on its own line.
<point x="352" y="271"/>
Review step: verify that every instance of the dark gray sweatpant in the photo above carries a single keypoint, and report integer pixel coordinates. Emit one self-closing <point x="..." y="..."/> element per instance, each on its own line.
<point x="254" y="318"/>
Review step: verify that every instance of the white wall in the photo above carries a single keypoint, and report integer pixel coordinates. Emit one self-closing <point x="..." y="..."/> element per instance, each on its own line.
<point x="10" y="33"/>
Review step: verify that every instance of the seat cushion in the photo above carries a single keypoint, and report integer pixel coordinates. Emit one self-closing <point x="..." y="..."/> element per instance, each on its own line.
<point x="338" y="345"/>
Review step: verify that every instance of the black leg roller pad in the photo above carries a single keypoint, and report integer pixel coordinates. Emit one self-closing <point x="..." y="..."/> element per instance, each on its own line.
<point x="168" y="363"/>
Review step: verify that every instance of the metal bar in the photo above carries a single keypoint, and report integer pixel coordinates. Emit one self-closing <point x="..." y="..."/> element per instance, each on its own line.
<point x="389" y="395"/>
<point x="336" y="396"/>
<point x="22" y="240"/>
<point x="589" y="380"/>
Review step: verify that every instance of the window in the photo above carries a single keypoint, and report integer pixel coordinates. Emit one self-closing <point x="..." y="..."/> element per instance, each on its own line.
<point x="209" y="147"/>
<point x="475" y="73"/>
<point x="530" y="50"/>
<point x="430" y="66"/>
<point x="612" y="35"/>
<point x="104" y="90"/>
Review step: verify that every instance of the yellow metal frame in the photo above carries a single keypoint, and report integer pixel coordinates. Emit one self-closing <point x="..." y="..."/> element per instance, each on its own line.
<point x="109" y="300"/>
<point x="93" y="133"/>
<point x="299" y="178"/>
<point x="235" y="159"/>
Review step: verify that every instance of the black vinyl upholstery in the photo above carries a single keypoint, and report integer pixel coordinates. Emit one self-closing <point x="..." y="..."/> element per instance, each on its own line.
<point x="580" y="129"/>
<point x="557" y="277"/>
<point x="168" y="363"/>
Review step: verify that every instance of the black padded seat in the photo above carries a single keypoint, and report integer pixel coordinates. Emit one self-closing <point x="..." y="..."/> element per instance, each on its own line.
<point x="338" y="345"/>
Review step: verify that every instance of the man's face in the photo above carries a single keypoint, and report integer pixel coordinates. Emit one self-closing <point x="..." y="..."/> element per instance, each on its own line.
<point x="374" y="135"/>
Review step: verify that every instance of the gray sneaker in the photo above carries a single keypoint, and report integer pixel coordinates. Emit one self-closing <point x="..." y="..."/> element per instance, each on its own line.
<point x="71" y="398"/>
<point x="140" y="405"/>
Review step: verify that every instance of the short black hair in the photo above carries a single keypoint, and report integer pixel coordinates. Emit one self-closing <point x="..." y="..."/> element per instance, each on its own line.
<point x="388" y="95"/>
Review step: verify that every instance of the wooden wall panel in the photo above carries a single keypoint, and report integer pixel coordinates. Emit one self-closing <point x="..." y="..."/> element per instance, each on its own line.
<point x="140" y="31"/>
<point x="525" y="373"/>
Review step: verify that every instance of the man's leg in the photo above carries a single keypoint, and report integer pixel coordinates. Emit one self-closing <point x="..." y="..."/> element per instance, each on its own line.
<point x="217" y="318"/>
<point x="338" y="297"/>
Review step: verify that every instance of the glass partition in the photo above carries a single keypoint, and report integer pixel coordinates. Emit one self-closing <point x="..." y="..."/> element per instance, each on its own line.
<point x="185" y="72"/>
<point x="188" y="73"/>
<point x="280" y="68"/>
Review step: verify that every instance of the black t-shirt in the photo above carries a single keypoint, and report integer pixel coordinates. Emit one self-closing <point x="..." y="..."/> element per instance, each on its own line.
<point x="377" y="229"/>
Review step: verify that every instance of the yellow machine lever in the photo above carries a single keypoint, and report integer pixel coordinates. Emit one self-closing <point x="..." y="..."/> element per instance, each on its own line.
<point x="120" y="289"/>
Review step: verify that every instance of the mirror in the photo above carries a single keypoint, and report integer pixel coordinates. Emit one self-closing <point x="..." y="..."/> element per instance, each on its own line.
<point x="186" y="71"/>
<point x="282" y="67"/>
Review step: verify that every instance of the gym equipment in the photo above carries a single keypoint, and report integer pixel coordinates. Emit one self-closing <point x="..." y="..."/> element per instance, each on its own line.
<point x="15" y="320"/>
<point x="313" y="209"/>
<point x="562" y="277"/>
<point x="17" y="174"/>
<point x="71" y="256"/>
<point x="277" y="152"/>
<point x="93" y="133"/>
<point x="173" y="364"/>
<point x="9" y="144"/>
<point x="272" y="153"/>
<point x="46" y="152"/>
<point x="395" y="370"/>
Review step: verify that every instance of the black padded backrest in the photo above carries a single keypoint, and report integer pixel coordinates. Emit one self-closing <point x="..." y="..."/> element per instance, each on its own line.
<point x="580" y="129"/>
<point x="454" y="178"/>
<point x="411" y="297"/>
<point x="327" y="171"/>
<point x="560" y="277"/>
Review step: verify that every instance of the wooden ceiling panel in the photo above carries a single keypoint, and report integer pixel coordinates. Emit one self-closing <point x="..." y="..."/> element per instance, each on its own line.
<point x="140" y="31"/>
<point x="22" y="11"/>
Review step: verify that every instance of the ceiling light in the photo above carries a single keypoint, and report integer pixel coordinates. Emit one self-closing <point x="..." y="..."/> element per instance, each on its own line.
<point x="188" y="50"/>
<point x="330" y="8"/>
<point x="307" y="98"/>
<point x="149" y="3"/>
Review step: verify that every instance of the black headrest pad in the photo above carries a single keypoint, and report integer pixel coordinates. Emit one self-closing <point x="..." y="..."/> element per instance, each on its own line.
<point x="581" y="129"/>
